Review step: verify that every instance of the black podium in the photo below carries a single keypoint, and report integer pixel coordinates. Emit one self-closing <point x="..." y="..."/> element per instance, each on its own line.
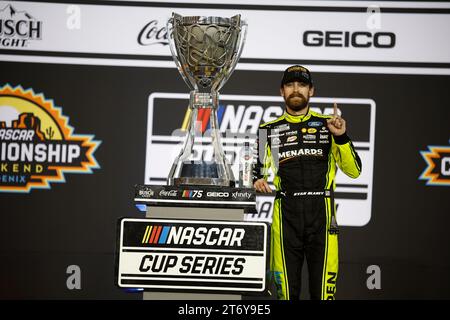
<point x="194" y="244"/>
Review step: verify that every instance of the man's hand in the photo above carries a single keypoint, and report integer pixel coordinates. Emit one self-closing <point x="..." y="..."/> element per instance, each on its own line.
<point x="336" y="125"/>
<point x="262" y="186"/>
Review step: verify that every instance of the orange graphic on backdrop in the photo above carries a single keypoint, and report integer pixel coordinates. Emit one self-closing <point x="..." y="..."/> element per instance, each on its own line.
<point x="437" y="158"/>
<point x="29" y="124"/>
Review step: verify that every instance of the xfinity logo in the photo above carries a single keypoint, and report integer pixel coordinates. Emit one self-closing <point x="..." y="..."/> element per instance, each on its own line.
<point x="241" y="195"/>
<point x="151" y="34"/>
<point x="357" y="39"/>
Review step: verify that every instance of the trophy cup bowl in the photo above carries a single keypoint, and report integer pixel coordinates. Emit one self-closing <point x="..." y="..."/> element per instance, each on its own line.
<point x="206" y="51"/>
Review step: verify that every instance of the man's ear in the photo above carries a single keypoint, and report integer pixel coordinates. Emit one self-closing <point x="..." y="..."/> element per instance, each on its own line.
<point x="282" y="91"/>
<point x="311" y="91"/>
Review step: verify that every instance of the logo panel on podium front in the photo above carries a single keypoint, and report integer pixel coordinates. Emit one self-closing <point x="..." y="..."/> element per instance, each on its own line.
<point x="193" y="255"/>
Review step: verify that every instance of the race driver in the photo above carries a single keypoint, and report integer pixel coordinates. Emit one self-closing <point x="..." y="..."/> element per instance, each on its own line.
<point x="302" y="148"/>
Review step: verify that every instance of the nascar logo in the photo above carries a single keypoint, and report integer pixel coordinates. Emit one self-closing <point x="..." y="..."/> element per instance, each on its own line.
<point x="192" y="193"/>
<point x="239" y="117"/>
<point x="181" y="235"/>
<point x="235" y="118"/>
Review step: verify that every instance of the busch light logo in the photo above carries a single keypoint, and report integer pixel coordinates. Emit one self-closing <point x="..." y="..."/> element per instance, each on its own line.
<point x="17" y="27"/>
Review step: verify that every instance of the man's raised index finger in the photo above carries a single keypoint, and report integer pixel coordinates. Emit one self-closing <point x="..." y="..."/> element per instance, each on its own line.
<point x="335" y="110"/>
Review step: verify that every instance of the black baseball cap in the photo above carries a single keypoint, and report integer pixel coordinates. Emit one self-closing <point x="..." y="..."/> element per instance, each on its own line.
<point x="298" y="73"/>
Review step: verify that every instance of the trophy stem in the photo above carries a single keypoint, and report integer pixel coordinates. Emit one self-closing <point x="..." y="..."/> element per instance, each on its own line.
<point x="194" y="166"/>
<point x="219" y="154"/>
<point x="186" y="148"/>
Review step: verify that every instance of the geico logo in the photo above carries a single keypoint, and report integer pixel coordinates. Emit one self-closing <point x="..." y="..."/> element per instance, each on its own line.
<point x="300" y="152"/>
<point x="445" y="166"/>
<point x="357" y="39"/>
<point x="217" y="194"/>
<point x="207" y="236"/>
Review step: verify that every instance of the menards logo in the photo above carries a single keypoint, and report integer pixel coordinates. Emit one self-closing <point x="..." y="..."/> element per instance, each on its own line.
<point x="37" y="144"/>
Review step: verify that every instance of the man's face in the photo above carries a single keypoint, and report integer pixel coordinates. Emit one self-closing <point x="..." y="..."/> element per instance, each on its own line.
<point x="296" y="94"/>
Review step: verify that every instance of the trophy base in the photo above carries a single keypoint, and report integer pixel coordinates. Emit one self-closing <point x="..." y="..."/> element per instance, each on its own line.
<point x="202" y="182"/>
<point x="200" y="173"/>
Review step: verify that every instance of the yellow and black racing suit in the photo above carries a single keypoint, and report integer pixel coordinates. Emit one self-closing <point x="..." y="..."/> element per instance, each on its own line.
<point x="303" y="154"/>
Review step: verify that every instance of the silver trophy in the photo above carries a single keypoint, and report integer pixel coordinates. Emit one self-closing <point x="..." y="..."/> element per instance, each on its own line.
<point x="206" y="51"/>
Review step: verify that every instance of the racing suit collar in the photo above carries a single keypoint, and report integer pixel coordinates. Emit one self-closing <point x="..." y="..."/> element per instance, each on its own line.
<point x="296" y="119"/>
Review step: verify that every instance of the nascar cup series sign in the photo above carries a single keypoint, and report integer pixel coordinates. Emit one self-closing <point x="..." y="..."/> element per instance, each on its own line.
<point x="193" y="255"/>
<point x="239" y="117"/>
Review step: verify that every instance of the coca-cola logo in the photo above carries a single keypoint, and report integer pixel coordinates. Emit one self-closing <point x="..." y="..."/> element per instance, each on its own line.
<point x="153" y="34"/>
<point x="168" y="193"/>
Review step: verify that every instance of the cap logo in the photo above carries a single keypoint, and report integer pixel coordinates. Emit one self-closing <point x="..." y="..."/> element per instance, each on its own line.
<point x="296" y="68"/>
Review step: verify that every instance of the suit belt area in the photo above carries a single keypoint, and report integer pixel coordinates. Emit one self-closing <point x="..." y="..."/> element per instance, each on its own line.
<point x="326" y="193"/>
